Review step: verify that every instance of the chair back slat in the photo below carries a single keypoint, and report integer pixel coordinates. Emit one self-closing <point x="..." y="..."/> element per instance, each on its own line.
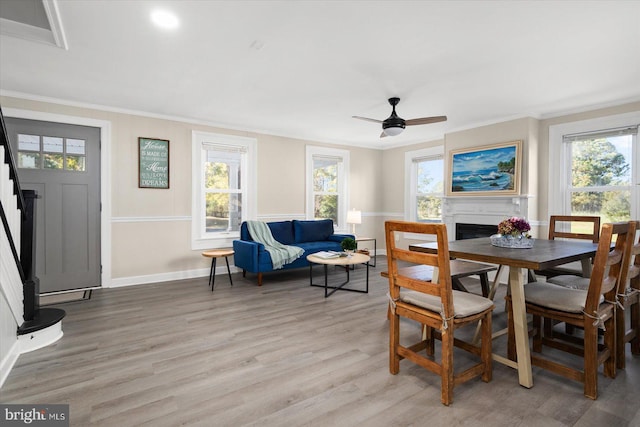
<point x="594" y="236"/>
<point x="418" y="285"/>
<point x="440" y="287"/>
<point x="631" y="261"/>
<point x="607" y="264"/>
<point x="414" y="257"/>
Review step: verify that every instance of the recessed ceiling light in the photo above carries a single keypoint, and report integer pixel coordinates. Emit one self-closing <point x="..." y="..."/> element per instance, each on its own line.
<point x="164" y="19"/>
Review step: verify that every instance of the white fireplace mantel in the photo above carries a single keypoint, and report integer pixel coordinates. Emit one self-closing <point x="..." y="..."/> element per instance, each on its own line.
<point x="488" y="210"/>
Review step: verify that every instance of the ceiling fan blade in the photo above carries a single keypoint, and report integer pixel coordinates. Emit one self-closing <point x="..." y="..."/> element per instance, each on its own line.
<point x="367" y="119"/>
<point x="383" y="135"/>
<point x="425" y="120"/>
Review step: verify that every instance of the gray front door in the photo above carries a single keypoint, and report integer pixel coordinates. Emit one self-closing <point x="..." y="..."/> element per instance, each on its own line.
<point x="62" y="164"/>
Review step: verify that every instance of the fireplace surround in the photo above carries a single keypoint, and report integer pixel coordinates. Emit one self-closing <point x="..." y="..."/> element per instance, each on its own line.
<point x="471" y="231"/>
<point x="483" y="213"/>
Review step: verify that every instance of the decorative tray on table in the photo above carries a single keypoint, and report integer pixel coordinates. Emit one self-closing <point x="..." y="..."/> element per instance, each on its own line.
<point x="518" y="242"/>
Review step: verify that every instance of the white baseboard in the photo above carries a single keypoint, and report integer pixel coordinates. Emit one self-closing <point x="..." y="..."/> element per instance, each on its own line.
<point x="166" y="277"/>
<point x="6" y="364"/>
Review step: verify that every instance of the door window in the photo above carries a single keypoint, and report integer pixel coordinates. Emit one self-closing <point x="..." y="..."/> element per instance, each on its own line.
<point x="51" y="153"/>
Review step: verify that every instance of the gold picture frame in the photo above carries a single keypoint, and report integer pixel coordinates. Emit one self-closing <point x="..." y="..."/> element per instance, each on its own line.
<point x="489" y="170"/>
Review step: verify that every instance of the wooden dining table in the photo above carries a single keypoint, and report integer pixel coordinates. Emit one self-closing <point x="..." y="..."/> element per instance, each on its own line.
<point x="544" y="254"/>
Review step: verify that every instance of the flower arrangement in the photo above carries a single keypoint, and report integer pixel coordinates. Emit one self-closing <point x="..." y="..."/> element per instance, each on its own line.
<point x="514" y="226"/>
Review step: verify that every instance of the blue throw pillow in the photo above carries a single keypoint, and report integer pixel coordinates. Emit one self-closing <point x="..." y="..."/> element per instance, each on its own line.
<point x="282" y="231"/>
<point x="312" y="231"/>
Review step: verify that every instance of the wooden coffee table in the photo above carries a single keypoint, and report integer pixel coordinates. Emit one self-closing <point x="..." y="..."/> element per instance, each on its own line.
<point x="355" y="258"/>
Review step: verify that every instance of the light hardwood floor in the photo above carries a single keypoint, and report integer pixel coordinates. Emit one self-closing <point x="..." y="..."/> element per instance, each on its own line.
<point x="175" y="353"/>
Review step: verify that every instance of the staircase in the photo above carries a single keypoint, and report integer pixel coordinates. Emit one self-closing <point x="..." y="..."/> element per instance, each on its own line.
<point x="35" y="327"/>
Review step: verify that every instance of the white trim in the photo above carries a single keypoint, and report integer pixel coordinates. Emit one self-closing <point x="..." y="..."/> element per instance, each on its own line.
<point x="171" y="276"/>
<point x="558" y="201"/>
<point x="410" y="183"/>
<point x="55" y="21"/>
<point x="40" y="338"/>
<point x="7" y="364"/>
<point x="343" y="182"/>
<point x="390" y="214"/>
<point x="281" y="217"/>
<point x="105" y="173"/>
<point x="225" y="126"/>
<point x="26" y="32"/>
<point x="375" y="144"/>
<point x="10" y="281"/>
<point x="126" y="219"/>
<point x="250" y="186"/>
<point x="53" y="37"/>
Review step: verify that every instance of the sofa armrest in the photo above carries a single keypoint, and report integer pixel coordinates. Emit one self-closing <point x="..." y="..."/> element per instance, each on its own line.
<point x="246" y="255"/>
<point x="340" y="237"/>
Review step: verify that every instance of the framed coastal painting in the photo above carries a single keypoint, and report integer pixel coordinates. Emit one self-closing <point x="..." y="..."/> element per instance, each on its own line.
<point x="490" y="170"/>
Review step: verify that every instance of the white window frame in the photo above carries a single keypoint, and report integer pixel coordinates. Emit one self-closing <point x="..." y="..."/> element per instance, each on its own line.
<point x="411" y="183"/>
<point x="200" y="239"/>
<point x="343" y="182"/>
<point x="411" y="178"/>
<point x="559" y="156"/>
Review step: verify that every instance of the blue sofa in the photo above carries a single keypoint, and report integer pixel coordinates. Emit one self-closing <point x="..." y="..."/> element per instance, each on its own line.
<point x="312" y="236"/>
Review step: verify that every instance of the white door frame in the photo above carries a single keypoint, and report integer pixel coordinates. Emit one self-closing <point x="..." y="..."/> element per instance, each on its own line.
<point x="105" y="173"/>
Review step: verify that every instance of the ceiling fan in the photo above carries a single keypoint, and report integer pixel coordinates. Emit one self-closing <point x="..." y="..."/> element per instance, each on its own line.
<point x="394" y="125"/>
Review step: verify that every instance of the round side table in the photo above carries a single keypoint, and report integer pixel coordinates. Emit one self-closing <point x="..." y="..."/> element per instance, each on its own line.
<point x="214" y="254"/>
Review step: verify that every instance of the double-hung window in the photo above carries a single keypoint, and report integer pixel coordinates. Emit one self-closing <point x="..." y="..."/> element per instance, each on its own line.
<point x="601" y="173"/>
<point x="598" y="169"/>
<point x="424" y="184"/>
<point x="327" y="184"/>
<point x="223" y="187"/>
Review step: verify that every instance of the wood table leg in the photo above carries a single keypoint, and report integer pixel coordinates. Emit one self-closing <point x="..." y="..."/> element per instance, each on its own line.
<point x="516" y="286"/>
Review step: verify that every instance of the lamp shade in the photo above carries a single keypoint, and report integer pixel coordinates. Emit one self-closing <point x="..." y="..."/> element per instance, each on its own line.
<point x="354" y="217"/>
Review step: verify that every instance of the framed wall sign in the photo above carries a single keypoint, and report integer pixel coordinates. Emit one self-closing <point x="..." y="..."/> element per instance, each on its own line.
<point x="490" y="170"/>
<point x="153" y="163"/>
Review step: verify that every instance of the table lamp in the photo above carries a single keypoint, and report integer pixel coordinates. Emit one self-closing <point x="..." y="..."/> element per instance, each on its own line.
<point x="354" y="217"/>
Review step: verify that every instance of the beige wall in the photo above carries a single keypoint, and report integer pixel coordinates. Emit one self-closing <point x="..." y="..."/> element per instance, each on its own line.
<point x="512" y="130"/>
<point x="151" y="228"/>
<point x="149" y="250"/>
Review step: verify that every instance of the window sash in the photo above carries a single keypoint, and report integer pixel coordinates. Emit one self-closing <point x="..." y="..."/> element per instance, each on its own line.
<point x="338" y="158"/>
<point x="236" y="152"/>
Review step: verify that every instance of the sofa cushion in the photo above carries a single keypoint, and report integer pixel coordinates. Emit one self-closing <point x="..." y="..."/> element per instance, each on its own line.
<point x="312" y="231"/>
<point x="313" y="247"/>
<point x="282" y="231"/>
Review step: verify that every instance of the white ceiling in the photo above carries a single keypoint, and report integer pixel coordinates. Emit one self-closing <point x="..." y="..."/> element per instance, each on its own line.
<point x="302" y="69"/>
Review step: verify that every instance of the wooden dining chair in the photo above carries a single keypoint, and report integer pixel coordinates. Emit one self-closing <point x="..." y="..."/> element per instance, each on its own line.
<point x="590" y="309"/>
<point x="556" y="231"/>
<point x="438" y="307"/>
<point x="628" y="296"/>
<point x="629" y="299"/>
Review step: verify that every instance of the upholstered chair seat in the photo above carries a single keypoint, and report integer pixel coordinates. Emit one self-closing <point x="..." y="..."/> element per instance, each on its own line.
<point x="465" y="304"/>
<point x="572" y="282"/>
<point x="557" y="297"/>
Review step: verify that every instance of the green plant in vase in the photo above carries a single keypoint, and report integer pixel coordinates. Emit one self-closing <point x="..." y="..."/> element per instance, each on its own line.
<point x="348" y="245"/>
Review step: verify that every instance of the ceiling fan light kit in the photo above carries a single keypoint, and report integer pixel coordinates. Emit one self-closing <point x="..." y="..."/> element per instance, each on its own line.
<point x="393" y="131"/>
<point x="394" y="125"/>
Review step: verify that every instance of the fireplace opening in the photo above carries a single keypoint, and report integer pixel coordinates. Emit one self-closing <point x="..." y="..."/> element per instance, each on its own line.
<point x="472" y="231"/>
